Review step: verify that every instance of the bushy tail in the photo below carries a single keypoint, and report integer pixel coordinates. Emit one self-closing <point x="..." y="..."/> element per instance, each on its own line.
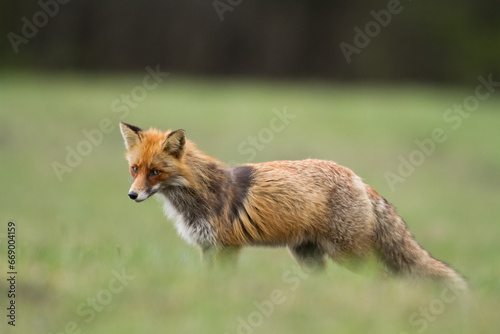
<point x="399" y="251"/>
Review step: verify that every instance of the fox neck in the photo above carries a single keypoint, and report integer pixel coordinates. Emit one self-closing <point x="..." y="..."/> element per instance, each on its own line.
<point x="192" y="203"/>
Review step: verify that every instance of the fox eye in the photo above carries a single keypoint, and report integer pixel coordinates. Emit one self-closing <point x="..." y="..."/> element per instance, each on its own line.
<point x="134" y="169"/>
<point x="155" y="172"/>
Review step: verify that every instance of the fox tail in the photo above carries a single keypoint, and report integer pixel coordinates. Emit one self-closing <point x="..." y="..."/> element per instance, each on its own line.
<point x="399" y="251"/>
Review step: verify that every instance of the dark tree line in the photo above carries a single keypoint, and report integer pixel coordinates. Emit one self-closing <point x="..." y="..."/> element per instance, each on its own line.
<point x="442" y="41"/>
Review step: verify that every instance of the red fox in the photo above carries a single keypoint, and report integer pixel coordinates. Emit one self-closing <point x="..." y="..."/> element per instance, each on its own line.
<point x="315" y="208"/>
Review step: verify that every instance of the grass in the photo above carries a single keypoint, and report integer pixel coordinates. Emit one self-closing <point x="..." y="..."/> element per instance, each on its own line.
<point x="74" y="237"/>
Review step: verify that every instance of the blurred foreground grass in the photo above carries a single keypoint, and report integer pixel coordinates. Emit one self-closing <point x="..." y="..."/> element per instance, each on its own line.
<point x="76" y="236"/>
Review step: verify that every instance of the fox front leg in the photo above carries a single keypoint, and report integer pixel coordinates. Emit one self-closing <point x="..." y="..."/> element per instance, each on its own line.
<point x="220" y="256"/>
<point x="209" y="256"/>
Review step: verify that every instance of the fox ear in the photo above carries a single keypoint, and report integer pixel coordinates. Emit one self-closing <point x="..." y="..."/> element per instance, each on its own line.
<point x="175" y="144"/>
<point x="131" y="134"/>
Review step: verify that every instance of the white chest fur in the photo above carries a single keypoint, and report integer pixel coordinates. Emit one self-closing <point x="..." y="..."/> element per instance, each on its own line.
<point x="198" y="233"/>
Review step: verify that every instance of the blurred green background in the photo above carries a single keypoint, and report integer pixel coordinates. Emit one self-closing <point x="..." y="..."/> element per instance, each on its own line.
<point x="92" y="261"/>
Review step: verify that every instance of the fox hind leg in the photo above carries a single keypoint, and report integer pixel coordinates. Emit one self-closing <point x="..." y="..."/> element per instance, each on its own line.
<point x="309" y="255"/>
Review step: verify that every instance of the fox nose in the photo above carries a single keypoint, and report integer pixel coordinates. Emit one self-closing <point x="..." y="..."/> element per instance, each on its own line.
<point x="133" y="195"/>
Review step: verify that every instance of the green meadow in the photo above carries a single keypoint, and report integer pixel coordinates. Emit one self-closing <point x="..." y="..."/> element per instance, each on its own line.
<point x="90" y="260"/>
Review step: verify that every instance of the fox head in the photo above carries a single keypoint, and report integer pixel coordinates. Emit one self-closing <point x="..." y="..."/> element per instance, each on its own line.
<point x="155" y="159"/>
